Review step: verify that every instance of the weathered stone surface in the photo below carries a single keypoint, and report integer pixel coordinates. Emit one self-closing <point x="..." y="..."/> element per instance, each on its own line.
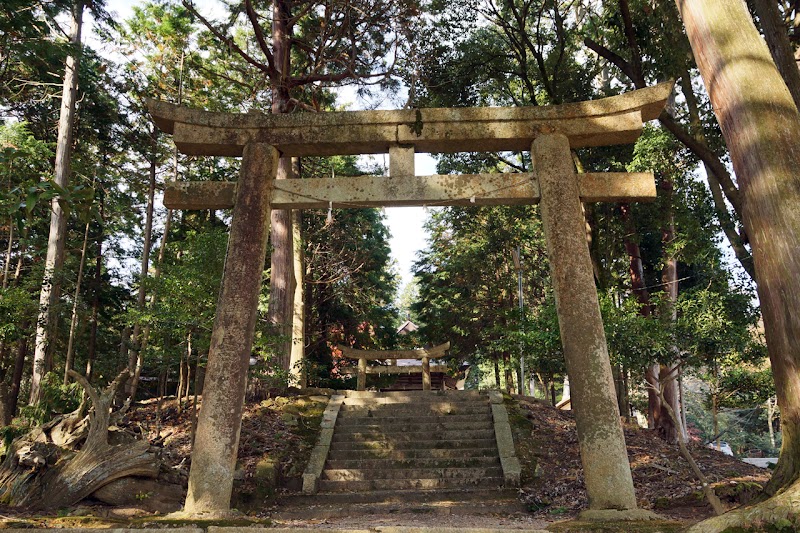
<point x="219" y="422"/>
<point x="110" y="530"/>
<point x="505" y="442"/>
<point x="200" y="195"/>
<point x="394" y="370"/>
<point x="319" y="454"/>
<point x="499" y="413"/>
<point x="401" y="161"/>
<point x="512" y="471"/>
<point x="614" y="120"/>
<point x="614" y="515"/>
<point x="603" y="453"/>
<point x="433" y="353"/>
<point x="374" y="191"/>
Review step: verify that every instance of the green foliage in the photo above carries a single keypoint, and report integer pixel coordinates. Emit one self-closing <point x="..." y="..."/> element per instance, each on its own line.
<point x="543" y="343"/>
<point x="350" y="283"/>
<point x="468" y="282"/>
<point x="634" y="341"/>
<point x="57" y="398"/>
<point x="715" y="324"/>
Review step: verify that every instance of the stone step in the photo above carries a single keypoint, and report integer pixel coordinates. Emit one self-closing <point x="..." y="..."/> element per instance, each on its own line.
<point x="328" y="512"/>
<point x="409" y="410"/>
<point x="415" y="394"/>
<point x="426" y="453"/>
<point x="469" y="473"/>
<point x="473" y="495"/>
<point x="327" y="485"/>
<point x="444" y="501"/>
<point x="407" y="402"/>
<point x="393" y="427"/>
<point x="387" y="419"/>
<point x="426" y="444"/>
<point x="414" y="463"/>
<point x="413" y="436"/>
<point x="417" y="401"/>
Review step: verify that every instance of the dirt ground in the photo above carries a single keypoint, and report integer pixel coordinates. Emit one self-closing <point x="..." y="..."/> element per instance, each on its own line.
<point x="278" y="434"/>
<point x="663" y="479"/>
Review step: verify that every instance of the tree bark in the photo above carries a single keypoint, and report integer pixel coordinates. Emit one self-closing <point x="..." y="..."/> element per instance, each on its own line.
<point x="297" y="363"/>
<point x="7" y="263"/>
<point x="19" y="368"/>
<point x="667" y="427"/>
<point x="97" y="284"/>
<point x="73" y="323"/>
<point x="45" y="330"/>
<point x="761" y="129"/>
<point x="708" y="490"/>
<point x="136" y="356"/>
<point x="771" y="408"/>
<point x="636" y="272"/>
<point x="281" y="282"/>
<point x="75" y="476"/>
<point x="509" y="372"/>
<point x="777" y="37"/>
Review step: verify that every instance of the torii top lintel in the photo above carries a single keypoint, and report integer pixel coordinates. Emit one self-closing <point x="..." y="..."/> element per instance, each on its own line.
<point x="602" y="122"/>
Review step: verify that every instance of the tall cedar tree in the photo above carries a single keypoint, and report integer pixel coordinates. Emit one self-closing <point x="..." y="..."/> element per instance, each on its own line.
<point x="761" y="129"/>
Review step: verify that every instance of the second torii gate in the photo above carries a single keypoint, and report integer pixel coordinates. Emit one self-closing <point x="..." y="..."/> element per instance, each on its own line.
<point x="548" y="132"/>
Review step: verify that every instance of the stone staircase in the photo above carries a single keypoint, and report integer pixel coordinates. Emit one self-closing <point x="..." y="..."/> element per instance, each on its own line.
<point x="413" y="451"/>
<point x="409" y="382"/>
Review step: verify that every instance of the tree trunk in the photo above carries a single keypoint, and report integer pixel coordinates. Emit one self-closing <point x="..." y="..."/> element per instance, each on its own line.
<point x="771" y="408"/>
<point x="7" y="264"/>
<point x="669" y="278"/>
<point x="708" y="490"/>
<point x="761" y="129"/>
<point x="136" y="356"/>
<point x="653" y="401"/>
<point x="509" y="372"/>
<point x="777" y="37"/>
<point x="281" y="283"/>
<point x="181" y="377"/>
<point x="73" y="323"/>
<point x="297" y="363"/>
<point x="51" y="286"/>
<point x="636" y="272"/>
<point x="623" y="399"/>
<point x="19" y="368"/>
<point x="98" y="279"/>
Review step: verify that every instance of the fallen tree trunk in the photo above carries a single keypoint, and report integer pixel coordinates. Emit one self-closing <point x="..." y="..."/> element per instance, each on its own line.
<point x="40" y="474"/>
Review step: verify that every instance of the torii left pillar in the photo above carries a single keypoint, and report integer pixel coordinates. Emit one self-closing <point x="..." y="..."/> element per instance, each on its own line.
<point x="220" y="420"/>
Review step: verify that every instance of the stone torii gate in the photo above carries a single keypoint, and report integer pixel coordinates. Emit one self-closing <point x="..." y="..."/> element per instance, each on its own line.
<point x="548" y="132"/>
<point x="424" y="355"/>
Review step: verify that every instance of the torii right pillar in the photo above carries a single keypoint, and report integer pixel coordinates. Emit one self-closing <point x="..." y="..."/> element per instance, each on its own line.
<point x="604" y="455"/>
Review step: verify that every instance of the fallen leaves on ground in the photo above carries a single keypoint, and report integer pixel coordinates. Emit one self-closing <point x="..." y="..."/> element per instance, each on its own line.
<point x="662" y="478"/>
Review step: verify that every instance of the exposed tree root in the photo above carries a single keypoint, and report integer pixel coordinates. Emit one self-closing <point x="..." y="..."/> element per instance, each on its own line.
<point x="42" y="470"/>
<point x="779" y="513"/>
